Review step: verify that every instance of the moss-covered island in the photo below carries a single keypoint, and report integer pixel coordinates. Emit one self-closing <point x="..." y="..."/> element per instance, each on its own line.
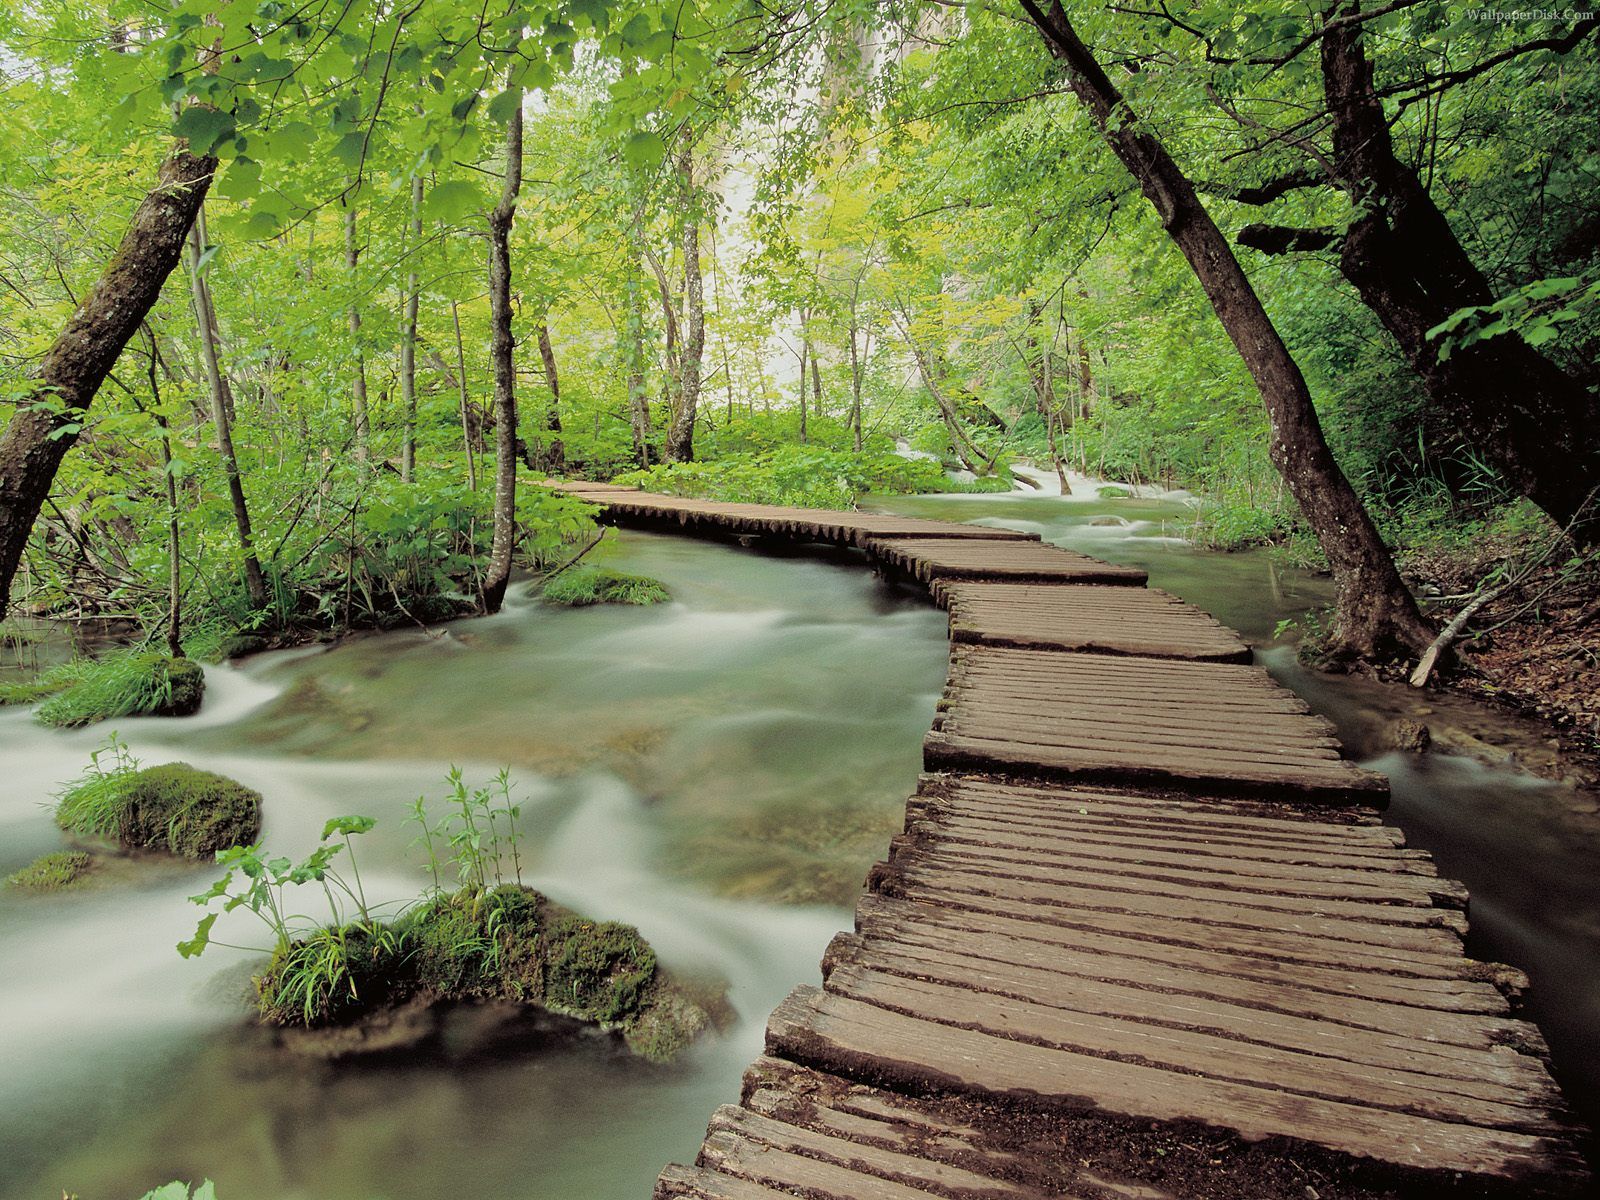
<point x="128" y="683"/>
<point x="55" y="872"/>
<point x="583" y="586"/>
<point x="365" y="981"/>
<point x="172" y="807"/>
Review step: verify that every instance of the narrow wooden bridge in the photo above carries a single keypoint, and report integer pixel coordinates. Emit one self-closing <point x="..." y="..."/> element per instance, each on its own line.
<point x="1144" y="935"/>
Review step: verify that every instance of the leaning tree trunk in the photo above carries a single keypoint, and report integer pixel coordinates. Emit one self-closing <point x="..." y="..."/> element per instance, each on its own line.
<point x="555" y="452"/>
<point x="72" y="370"/>
<point x="1376" y="614"/>
<point x="1533" y="421"/>
<point x="680" y="437"/>
<point x="255" y="583"/>
<point x="408" y="343"/>
<point x="501" y="351"/>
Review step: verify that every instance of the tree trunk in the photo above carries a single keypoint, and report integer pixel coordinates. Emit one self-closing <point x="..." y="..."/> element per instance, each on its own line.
<point x="1376" y="614"/>
<point x="555" y="453"/>
<point x="965" y="451"/>
<point x="855" y="381"/>
<point x="1534" y="422"/>
<point x="352" y="258"/>
<point x="800" y="391"/>
<point x="501" y="351"/>
<point x="77" y="362"/>
<point x="633" y="340"/>
<point x="467" y="440"/>
<point x="255" y="583"/>
<point x="408" y="344"/>
<point x="680" y="437"/>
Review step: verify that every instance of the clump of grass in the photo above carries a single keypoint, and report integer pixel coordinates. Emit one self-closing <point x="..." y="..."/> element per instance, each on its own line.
<point x="582" y="586"/>
<point x="172" y="807"/>
<point x="83" y="691"/>
<point x="52" y="872"/>
<point x="598" y="971"/>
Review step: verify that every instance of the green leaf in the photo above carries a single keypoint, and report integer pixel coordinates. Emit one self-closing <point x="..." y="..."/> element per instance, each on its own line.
<point x="644" y="149"/>
<point x="201" y="939"/>
<point x="504" y="105"/>
<point x="347" y="825"/>
<point x="204" y="127"/>
<point x="452" y="200"/>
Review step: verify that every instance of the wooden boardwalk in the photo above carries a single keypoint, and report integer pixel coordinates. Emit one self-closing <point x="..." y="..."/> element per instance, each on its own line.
<point x="1144" y="935"/>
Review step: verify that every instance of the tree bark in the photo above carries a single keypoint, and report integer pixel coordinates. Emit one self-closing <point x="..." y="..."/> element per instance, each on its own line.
<point x="855" y="379"/>
<point x="633" y="340"/>
<point x="352" y="258"/>
<point x="965" y="451"/>
<point x="255" y="583"/>
<point x="39" y="435"/>
<point x="502" y="352"/>
<point x="467" y="440"/>
<point x="408" y="344"/>
<point x="1533" y="421"/>
<point x="680" y="436"/>
<point x="555" y="452"/>
<point x="1376" y="615"/>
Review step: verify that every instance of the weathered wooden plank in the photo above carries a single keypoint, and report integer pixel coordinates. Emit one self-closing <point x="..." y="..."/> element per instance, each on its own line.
<point x="930" y="559"/>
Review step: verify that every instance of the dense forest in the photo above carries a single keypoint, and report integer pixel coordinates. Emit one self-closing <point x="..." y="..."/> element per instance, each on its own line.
<point x="300" y="301"/>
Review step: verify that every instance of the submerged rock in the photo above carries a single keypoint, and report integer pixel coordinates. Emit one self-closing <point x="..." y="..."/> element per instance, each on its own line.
<point x="186" y="687"/>
<point x="473" y="967"/>
<point x="1412" y="736"/>
<point x="52" y="872"/>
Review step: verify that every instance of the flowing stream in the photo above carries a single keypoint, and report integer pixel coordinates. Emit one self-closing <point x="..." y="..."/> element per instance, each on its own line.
<point x="719" y="771"/>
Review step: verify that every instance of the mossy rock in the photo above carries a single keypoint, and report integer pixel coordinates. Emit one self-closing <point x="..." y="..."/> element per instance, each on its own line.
<point x="463" y="946"/>
<point x="666" y="1026"/>
<point x="52" y="872"/>
<point x="242" y="644"/>
<point x="186" y="687"/>
<point x="333" y="976"/>
<point x="187" y="811"/>
<point x="596" y="970"/>
<point x="582" y="586"/>
<point x="1112" y="491"/>
<point x="121" y="685"/>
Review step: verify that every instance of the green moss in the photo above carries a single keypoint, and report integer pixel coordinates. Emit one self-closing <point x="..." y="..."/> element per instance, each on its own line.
<point x="591" y="585"/>
<point x="130" y="684"/>
<point x="470" y="945"/>
<point x="332" y="975"/>
<point x="173" y="807"/>
<point x="52" y="872"/>
<point x="666" y="1026"/>
<point x="240" y="645"/>
<point x="598" y="971"/>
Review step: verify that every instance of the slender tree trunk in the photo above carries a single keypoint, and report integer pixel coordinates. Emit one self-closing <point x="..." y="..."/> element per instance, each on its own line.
<point x="555" y="453"/>
<point x="633" y="340"/>
<point x="967" y="453"/>
<point x="221" y="405"/>
<point x="680" y="438"/>
<point x="461" y="382"/>
<point x="408" y="344"/>
<point x="352" y="258"/>
<point x="800" y="390"/>
<point x="1538" y="425"/>
<point x="855" y="381"/>
<point x="77" y="362"/>
<point x="1376" y="615"/>
<point x="174" y="547"/>
<point x="505" y="376"/>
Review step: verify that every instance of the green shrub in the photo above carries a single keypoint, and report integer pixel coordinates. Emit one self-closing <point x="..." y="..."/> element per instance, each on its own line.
<point x="598" y="971"/>
<point x="582" y="586"/>
<point x="173" y="807"/>
<point x="808" y="476"/>
<point x="84" y="691"/>
<point x="52" y="872"/>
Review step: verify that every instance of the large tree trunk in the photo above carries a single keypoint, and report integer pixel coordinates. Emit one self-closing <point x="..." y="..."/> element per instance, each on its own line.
<point x="1376" y="614"/>
<point x="255" y="583"/>
<point x="501" y="351"/>
<point x="1535" y="423"/>
<point x="352" y="259"/>
<point x="72" y="370"/>
<point x="680" y="437"/>
<point x="555" y="452"/>
<point x="408" y="343"/>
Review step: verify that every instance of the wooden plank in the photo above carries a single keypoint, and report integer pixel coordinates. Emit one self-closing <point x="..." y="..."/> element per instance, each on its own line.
<point x="846" y="1036"/>
<point x="931" y="559"/>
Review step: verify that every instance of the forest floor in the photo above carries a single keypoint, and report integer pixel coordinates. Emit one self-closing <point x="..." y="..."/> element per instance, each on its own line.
<point x="1535" y="649"/>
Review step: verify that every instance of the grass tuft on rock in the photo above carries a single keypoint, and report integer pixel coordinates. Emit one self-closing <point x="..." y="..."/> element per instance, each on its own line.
<point x="172" y="807"/>
<point x="85" y="690"/>
<point x="52" y="872"/>
<point x="583" y="586"/>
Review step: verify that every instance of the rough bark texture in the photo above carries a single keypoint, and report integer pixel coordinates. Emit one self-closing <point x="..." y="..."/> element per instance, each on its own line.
<point x="555" y="452"/>
<point x="222" y="414"/>
<point x="680" y="437"/>
<point x="408" y="344"/>
<point x="502" y="351"/>
<point x="1537" y="424"/>
<point x="1376" y="614"/>
<point x="72" y="370"/>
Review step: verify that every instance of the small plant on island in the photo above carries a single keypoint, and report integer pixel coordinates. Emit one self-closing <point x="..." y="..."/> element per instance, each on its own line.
<point x="172" y="807"/>
<point x="131" y="683"/>
<point x="581" y="586"/>
<point x="476" y="935"/>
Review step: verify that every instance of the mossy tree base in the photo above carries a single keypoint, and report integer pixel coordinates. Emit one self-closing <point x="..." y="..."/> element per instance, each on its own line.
<point x="518" y="965"/>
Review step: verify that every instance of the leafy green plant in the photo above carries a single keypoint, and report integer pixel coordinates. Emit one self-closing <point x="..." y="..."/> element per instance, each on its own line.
<point x="178" y="1190"/>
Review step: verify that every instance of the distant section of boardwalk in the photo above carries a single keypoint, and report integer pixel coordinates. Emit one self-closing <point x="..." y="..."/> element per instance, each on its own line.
<point x="1144" y="935"/>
